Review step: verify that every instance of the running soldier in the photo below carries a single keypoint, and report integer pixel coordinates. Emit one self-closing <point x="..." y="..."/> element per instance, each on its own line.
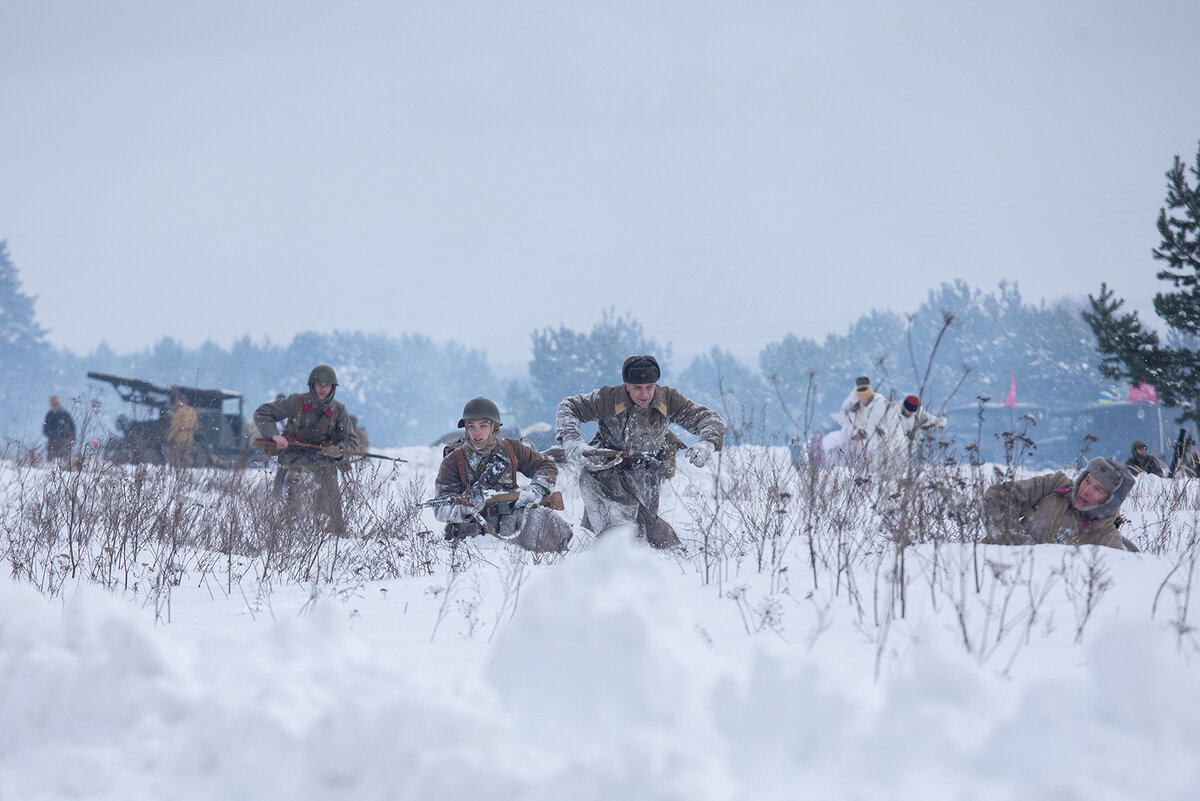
<point x="633" y="419"/>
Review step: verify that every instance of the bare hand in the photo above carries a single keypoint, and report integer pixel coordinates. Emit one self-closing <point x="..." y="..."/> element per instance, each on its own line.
<point x="280" y="441"/>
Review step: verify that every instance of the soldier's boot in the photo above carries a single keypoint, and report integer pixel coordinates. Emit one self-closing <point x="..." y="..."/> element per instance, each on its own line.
<point x="658" y="532"/>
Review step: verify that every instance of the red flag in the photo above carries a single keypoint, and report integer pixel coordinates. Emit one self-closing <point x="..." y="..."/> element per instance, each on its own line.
<point x="1011" y="400"/>
<point x="1144" y="392"/>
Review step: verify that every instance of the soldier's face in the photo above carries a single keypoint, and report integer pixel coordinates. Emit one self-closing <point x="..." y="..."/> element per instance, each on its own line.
<point x="1091" y="493"/>
<point x="642" y="394"/>
<point x="322" y="390"/>
<point x="479" y="431"/>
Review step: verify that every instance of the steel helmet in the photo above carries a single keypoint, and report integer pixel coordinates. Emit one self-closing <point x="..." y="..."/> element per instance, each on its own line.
<point x="322" y="374"/>
<point x="480" y="409"/>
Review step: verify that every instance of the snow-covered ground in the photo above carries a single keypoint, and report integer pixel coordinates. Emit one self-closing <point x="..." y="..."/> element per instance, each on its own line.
<point x="617" y="672"/>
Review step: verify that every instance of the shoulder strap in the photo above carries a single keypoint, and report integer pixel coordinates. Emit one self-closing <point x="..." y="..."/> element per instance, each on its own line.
<point x="460" y="461"/>
<point x="512" y="461"/>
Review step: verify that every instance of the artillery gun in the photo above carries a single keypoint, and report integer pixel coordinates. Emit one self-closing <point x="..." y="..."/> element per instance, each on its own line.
<point x="220" y="441"/>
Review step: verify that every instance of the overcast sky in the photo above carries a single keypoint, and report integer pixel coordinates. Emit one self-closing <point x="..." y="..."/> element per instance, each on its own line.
<point x="727" y="173"/>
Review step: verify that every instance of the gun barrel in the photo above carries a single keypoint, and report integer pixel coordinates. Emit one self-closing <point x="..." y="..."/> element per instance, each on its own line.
<point x="263" y="442"/>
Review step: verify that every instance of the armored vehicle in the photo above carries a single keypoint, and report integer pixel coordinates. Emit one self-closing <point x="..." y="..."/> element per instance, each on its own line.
<point x="221" y="440"/>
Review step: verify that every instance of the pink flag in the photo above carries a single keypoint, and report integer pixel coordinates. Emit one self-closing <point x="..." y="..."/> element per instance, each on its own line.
<point x="1011" y="400"/>
<point x="1143" y="392"/>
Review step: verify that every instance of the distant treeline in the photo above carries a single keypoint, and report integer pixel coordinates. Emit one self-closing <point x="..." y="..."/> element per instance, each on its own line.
<point x="960" y="344"/>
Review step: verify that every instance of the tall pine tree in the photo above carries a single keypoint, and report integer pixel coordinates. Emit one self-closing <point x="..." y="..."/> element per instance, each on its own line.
<point x="23" y="351"/>
<point x="1131" y="352"/>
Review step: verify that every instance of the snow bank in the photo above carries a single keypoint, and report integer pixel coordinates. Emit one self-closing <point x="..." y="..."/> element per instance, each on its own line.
<point x="608" y="683"/>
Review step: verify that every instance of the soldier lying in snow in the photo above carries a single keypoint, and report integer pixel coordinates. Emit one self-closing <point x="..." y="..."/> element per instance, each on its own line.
<point x="1053" y="508"/>
<point x="634" y="418"/>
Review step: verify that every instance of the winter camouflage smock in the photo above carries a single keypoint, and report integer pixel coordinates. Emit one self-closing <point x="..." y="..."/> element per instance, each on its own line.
<point x="1038" y="510"/>
<point x="308" y="419"/>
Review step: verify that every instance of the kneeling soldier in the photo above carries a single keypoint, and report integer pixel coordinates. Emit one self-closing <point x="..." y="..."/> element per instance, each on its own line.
<point x="484" y="463"/>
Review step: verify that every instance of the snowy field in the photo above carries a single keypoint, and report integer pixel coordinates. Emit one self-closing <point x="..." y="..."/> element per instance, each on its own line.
<point x="736" y="670"/>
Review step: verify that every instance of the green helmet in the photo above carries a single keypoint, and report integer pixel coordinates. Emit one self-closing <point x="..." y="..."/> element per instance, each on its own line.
<point x="480" y="409"/>
<point x="322" y="374"/>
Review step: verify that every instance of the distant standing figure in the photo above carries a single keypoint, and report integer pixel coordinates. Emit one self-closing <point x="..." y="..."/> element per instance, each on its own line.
<point x="59" y="429"/>
<point x="182" y="433"/>
<point x="1142" y="462"/>
<point x="904" y="427"/>
<point x="868" y="438"/>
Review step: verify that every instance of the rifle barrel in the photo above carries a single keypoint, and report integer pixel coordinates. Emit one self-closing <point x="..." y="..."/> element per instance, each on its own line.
<point x="264" y="441"/>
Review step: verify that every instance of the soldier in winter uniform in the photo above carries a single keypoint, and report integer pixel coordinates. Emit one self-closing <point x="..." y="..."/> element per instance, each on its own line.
<point x="869" y="440"/>
<point x="905" y="425"/>
<point x="633" y="418"/>
<point x="59" y="430"/>
<point x="315" y="418"/>
<point x="1053" y="508"/>
<point x="1142" y="462"/>
<point x="182" y="433"/>
<point x="493" y="463"/>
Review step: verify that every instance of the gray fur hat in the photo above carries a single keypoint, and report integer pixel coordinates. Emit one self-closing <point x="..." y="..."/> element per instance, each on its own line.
<point x="1114" y="477"/>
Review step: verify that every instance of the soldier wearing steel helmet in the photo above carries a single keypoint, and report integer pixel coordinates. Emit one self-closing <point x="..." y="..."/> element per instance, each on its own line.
<point x="313" y="418"/>
<point x="485" y="459"/>
<point x="1142" y="462"/>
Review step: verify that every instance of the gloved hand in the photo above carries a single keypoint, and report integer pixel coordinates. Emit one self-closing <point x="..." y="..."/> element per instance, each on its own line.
<point x="454" y="513"/>
<point x="530" y="495"/>
<point x="700" y="453"/>
<point x="332" y="450"/>
<point x="573" y="450"/>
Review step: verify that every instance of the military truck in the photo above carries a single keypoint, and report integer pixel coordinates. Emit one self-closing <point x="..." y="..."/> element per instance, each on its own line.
<point x="221" y="440"/>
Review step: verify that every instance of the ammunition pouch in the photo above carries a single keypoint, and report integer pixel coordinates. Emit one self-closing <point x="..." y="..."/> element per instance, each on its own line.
<point x="673" y="444"/>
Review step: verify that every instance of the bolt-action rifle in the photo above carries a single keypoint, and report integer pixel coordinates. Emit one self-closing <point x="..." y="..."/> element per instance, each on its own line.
<point x="295" y="443"/>
<point x="479" y="497"/>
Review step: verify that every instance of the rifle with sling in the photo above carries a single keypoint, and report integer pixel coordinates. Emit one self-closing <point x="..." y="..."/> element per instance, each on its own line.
<point x="295" y="443"/>
<point x="479" y="498"/>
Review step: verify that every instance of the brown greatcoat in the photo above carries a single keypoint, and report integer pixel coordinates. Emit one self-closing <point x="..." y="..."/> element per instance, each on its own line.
<point x="630" y="495"/>
<point x="1039" y="510"/>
